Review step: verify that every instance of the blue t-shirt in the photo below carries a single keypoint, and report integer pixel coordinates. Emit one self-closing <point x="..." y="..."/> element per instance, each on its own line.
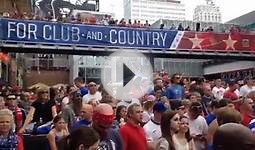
<point x="84" y="91"/>
<point x="81" y="123"/>
<point x="209" y="119"/>
<point x="175" y="92"/>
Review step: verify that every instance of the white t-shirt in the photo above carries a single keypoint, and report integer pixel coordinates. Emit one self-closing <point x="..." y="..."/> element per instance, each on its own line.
<point x="198" y="127"/>
<point x="218" y="92"/>
<point x="245" y="90"/>
<point x="89" y="97"/>
<point x="152" y="131"/>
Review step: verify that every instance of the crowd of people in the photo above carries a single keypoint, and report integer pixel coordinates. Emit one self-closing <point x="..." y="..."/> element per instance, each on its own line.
<point x="175" y="114"/>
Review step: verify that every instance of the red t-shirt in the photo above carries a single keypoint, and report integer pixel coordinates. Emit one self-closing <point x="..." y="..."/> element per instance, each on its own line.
<point x="246" y="119"/>
<point x="133" y="137"/>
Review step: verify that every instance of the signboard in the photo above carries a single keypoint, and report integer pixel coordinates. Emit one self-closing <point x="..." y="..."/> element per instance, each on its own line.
<point x="56" y="33"/>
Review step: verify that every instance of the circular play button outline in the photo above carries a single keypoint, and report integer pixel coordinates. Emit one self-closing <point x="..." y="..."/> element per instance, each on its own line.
<point x="127" y="75"/>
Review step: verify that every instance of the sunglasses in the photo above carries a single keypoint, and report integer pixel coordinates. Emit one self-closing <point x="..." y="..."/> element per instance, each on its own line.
<point x="177" y="77"/>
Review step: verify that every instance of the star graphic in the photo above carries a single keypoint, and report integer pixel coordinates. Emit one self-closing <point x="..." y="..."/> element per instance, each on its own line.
<point x="230" y="43"/>
<point x="196" y="42"/>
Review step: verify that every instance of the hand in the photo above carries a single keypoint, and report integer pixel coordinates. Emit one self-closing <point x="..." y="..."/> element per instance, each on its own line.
<point x="21" y="131"/>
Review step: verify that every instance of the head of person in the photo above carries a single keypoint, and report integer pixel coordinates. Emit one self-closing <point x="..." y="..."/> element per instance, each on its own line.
<point x="228" y="115"/>
<point x="158" y="82"/>
<point x="251" y="95"/>
<point x="218" y="82"/>
<point x="178" y="106"/>
<point x="86" y="112"/>
<point x="249" y="80"/>
<point x="11" y="102"/>
<point x="233" y="136"/>
<point x="184" y="127"/>
<point x="6" y="121"/>
<point x="108" y="99"/>
<point x="158" y="91"/>
<point x="43" y="94"/>
<point x="176" y="78"/>
<point x="247" y="105"/>
<point x="79" y="82"/>
<point x="195" y="110"/>
<point x="59" y="122"/>
<point x="158" y="109"/>
<point x="103" y="118"/>
<point x="92" y="87"/>
<point x="135" y="113"/>
<point x="170" y="124"/>
<point x="195" y="97"/>
<point x="83" y="138"/>
<point x="213" y="106"/>
<point x="148" y="106"/>
<point x="207" y="91"/>
<point x="121" y="112"/>
<point x="232" y="85"/>
<point x="2" y="102"/>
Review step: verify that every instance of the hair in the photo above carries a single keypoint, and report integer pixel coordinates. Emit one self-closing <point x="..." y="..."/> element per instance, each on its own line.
<point x="165" y="126"/>
<point x="118" y="110"/>
<point x="79" y="79"/>
<point x="52" y="93"/>
<point x="148" y="104"/>
<point x="84" y="135"/>
<point x="130" y="109"/>
<point x="76" y="105"/>
<point x="7" y="112"/>
<point x="228" y="115"/>
<point x="194" y="109"/>
<point x="187" y="134"/>
<point x="57" y="118"/>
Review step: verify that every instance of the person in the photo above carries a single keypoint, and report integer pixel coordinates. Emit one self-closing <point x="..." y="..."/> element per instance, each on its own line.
<point x="248" y="87"/>
<point x="79" y="82"/>
<point x="175" y="91"/>
<point x="152" y="128"/>
<point x="102" y="122"/>
<point x="230" y="93"/>
<point x="121" y="115"/>
<point x="246" y="110"/>
<point x="169" y="125"/>
<point x="233" y="136"/>
<point x="18" y="113"/>
<point x="132" y="133"/>
<point x="197" y="125"/>
<point x="8" y="139"/>
<point x="182" y="139"/>
<point x="80" y="139"/>
<point x="41" y="111"/>
<point x="86" y="114"/>
<point x="58" y="132"/>
<point x="93" y="94"/>
<point x="72" y="111"/>
<point x="147" y="110"/>
<point x="2" y="102"/>
<point x="218" y="91"/>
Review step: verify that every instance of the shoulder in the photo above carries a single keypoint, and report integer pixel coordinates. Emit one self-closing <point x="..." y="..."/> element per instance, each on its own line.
<point x="162" y="144"/>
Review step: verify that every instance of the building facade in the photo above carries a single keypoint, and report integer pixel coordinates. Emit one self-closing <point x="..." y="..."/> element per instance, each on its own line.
<point x="207" y="13"/>
<point x="153" y="10"/>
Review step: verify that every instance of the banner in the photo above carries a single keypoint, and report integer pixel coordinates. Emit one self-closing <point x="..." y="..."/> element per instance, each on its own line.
<point x="84" y="35"/>
<point x="57" y="33"/>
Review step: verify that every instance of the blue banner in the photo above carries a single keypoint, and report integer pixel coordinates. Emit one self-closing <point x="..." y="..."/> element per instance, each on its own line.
<point x="40" y="32"/>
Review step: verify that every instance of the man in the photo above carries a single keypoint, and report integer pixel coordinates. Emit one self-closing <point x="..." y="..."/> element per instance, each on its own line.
<point x="233" y="136"/>
<point x="248" y="87"/>
<point x="103" y="118"/>
<point x="93" y="94"/>
<point x="246" y="110"/>
<point x="132" y="133"/>
<point x="81" y="85"/>
<point x="230" y="93"/>
<point x="18" y="113"/>
<point x="152" y="128"/>
<point x="218" y="90"/>
<point x="86" y="116"/>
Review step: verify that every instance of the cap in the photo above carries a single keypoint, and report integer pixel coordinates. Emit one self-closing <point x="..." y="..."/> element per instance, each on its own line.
<point x="159" y="107"/>
<point x="11" y="96"/>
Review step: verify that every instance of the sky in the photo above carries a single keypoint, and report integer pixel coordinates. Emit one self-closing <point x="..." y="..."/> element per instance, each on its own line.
<point x="230" y="9"/>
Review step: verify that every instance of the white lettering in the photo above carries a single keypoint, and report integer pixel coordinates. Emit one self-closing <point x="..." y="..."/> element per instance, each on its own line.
<point x="129" y="37"/>
<point x="10" y="29"/>
<point x="163" y="38"/>
<point x="63" y="33"/>
<point x="21" y="32"/>
<point x="155" y="38"/>
<point x="45" y="33"/>
<point x="75" y="34"/>
<point x="122" y="37"/>
<point x="55" y="34"/>
<point x="113" y="33"/>
<point x="89" y="35"/>
<point x="139" y="38"/>
<point x="32" y="28"/>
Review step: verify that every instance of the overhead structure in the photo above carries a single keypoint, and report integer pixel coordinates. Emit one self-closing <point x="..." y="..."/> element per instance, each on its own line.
<point x="28" y="36"/>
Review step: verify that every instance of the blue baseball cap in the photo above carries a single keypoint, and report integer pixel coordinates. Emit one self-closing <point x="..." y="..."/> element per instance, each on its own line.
<point x="159" y="107"/>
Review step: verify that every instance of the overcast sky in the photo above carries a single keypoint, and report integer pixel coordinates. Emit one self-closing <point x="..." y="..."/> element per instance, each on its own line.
<point x="229" y="8"/>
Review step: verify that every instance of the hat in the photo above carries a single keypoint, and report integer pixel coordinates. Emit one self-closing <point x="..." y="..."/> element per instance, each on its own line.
<point x="11" y="96"/>
<point x="159" y="107"/>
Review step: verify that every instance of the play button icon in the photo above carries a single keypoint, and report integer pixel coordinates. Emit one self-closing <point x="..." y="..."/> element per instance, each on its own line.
<point x="127" y="75"/>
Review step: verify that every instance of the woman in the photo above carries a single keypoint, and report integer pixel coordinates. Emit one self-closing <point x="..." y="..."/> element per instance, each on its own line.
<point x="8" y="139"/>
<point x="121" y="114"/>
<point x="182" y="140"/>
<point x="83" y="138"/>
<point x="41" y="111"/>
<point x="58" y="132"/>
<point x="2" y="102"/>
<point x="170" y="124"/>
